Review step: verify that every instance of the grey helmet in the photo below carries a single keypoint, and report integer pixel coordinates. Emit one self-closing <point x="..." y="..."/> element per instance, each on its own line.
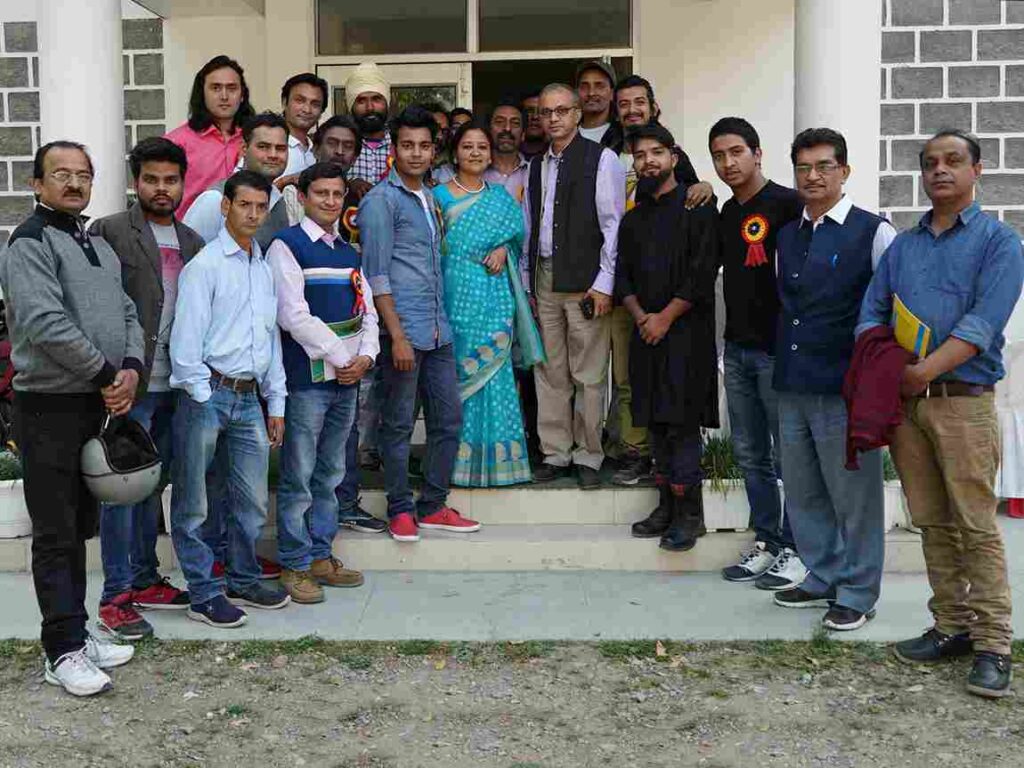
<point x="121" y="465"/>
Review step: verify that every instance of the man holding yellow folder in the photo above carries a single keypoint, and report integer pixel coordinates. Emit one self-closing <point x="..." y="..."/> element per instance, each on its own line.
<point x="948" y="287"/>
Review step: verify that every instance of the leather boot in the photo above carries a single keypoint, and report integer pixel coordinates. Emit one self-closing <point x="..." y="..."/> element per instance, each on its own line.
<point x="656" y="523"/>
<point x="682" y="533"/>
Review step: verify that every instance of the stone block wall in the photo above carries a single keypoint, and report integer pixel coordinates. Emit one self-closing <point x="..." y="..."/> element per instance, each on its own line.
<point x="952" y="64"/>
<point x="19" y="104"/>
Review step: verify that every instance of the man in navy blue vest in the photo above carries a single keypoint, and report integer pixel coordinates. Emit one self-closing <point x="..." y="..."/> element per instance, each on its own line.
<point x="328" y="342"/>
<point x="825" y="262"/>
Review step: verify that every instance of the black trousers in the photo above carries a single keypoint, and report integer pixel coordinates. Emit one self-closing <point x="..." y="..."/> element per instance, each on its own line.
<point x="51" y="430"/>
<point x="676" y="454"/>
<point x="528" y="399"/>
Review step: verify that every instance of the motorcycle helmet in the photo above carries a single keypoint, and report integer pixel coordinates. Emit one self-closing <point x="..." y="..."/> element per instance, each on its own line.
<point x="121" y="465"/>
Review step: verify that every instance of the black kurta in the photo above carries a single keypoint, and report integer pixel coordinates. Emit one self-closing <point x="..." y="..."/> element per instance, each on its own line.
<point x="667" y="252"/>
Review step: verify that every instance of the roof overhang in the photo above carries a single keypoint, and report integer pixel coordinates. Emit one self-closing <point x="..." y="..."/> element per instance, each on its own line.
<point x="169" y="9"/>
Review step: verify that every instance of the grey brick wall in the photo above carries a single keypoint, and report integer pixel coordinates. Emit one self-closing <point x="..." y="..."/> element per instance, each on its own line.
<point x="953" y="64"/>
<point x="19" y="104"/>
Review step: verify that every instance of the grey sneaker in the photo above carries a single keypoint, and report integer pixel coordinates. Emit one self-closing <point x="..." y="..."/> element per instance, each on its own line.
<point x="787" y="571"/>
<point x="76" y="673"/>
<point x="261" y="596"/>
<point x="754" y="562"/>
<point x="632" y="470"/>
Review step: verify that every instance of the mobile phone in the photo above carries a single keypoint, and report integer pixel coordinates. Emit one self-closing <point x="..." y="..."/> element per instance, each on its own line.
<point x="587" y="307"/>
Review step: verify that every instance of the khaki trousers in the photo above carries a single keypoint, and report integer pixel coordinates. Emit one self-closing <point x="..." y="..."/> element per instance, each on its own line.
<point x="630" y="437"/>
<point x="571" y="386"/>
<point x="947" y="453"/>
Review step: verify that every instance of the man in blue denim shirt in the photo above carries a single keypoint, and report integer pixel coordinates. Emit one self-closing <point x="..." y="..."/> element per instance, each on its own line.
<point x="401" y="232"/>
<point x="959" y="272"/>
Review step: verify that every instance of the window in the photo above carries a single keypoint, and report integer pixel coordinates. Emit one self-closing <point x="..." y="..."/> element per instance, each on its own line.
<point x="404" y="95"/>
<point x="361" y="27"/>
<point x="511" y="25"/>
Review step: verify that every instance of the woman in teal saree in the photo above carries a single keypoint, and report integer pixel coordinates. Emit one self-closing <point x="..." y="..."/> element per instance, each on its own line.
<point x="489" y="315"/>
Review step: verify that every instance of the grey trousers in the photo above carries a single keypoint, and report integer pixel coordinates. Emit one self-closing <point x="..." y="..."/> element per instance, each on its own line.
<point x="837" y="515"/>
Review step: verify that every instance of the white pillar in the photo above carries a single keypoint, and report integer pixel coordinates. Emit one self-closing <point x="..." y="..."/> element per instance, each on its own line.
<point x="838" y="60"/>
<point x="81" y="89"/>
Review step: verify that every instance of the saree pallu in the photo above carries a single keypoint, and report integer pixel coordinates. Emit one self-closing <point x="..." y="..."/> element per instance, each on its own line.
<point x="482" y="310"/>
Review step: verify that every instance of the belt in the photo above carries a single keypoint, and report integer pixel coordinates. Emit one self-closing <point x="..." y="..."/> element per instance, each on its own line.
<point x="235" y="385"/>
<point x="956" y="389"/>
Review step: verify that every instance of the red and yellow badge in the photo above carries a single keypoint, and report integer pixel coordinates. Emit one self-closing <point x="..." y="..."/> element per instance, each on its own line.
<point x="359" y="305"/>
<point x="754" y="230"/>
<point x="348" y="221"/>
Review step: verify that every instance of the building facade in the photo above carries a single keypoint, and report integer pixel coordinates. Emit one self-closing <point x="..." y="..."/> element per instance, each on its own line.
<point x="110" y="72"/>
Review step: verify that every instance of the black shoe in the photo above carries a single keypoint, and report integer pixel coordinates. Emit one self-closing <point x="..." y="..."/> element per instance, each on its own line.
<point x="798" y="598"/>
<point x="990" y="676"/>
<point x="842" y="619"/>
<point x="369" y="459"/>
<point x="545" y="473"/>
<point x="933" y="646"/>
<point x="632" y="469"/>
<point x="682" y="533"/>
<point x="588" y="478"/>
<point x="358" y="519"/>
<point x="656" y="523"/>
<point x="261" y="596"/>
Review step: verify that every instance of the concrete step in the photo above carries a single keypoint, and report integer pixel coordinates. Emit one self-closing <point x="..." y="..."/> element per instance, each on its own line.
<point x="513" y="548"/>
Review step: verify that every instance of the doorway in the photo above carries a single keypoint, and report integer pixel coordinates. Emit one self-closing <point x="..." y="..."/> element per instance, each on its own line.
<point x="448" y="83"/>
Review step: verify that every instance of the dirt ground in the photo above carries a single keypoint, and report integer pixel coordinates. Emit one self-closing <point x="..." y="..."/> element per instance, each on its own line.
<point x="526" y="705"/>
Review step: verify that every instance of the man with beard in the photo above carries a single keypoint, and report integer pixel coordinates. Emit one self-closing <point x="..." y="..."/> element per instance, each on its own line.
<point x="265" y="151"/>
<point x="153" y="246"/>
<point x="368" y="94"/>
<point x="595" y="84"/>
<point x="634" y="100"/>
<point x="78" y="349"/>
<point x="303" y="100"/>
<point x="535" y="141"/>
<point x="665" y="277"/>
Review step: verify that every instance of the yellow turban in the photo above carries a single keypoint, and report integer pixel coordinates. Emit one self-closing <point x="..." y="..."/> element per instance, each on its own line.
<point x="367" y="78"/>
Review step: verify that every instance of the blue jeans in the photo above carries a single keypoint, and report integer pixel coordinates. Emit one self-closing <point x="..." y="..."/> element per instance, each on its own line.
<point x="433" y="376"/>
<point x="236" y="419"/>
<point x="128" y="533"/>
<point x="313" y="465"/>
<point x="838" y="515"/>
<point x="754" y="421"/>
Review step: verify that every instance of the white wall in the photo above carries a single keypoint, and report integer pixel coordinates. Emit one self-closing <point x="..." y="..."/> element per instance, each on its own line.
<point x="712" y="58"/>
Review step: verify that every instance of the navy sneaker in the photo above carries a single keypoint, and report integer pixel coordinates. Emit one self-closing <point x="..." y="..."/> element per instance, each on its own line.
<point x="217" y="612"/>
<point x="261" y="596"/>
<point x="358" y="519"/>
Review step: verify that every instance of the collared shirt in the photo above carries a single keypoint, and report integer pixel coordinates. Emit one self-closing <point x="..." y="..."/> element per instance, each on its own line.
<point x="963" y="283"/>
<point x="610" y="198"/>
<point x="205" y="217"/>
<point x="293" y="315"/>
<point x="211" y="157"/>
<point x="299" y="157"/>
<point x="884" y="235"/>
<point x="402" y="258"/>
<point x="515" y="182"/>
<point x="372" y="161"/>
<point x="225" y="319"/>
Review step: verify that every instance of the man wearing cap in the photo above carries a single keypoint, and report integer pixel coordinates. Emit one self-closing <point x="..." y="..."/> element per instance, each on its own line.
<point x="368" y="94"/>
<point x="595" y="84"/>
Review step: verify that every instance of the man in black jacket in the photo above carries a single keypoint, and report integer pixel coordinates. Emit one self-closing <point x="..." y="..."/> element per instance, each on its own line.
<point x="152" y="246"/>
<point x="572" y="203"/>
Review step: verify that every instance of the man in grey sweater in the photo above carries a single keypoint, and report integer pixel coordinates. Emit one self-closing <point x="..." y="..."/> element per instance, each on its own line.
<point x="77" y="347"/>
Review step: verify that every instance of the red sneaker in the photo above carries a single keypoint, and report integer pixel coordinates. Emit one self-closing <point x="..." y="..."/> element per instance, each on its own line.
<point x="161" y="596"/>
<point x="447" y="519"/>
<point x="120" y="619"/>
<point x="403" y="527"/>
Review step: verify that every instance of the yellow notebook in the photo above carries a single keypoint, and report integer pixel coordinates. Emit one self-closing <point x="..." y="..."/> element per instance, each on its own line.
<point x="911" y="334"/>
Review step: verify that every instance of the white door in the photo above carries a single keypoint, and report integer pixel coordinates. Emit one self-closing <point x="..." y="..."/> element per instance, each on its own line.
<point x="449" y="84"/>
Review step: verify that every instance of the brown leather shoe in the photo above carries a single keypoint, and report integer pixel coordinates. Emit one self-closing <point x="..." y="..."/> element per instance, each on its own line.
<point x="302" y="586"/>
<point x="331" y="573"/>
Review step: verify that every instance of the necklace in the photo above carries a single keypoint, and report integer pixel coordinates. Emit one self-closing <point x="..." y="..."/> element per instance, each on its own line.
<point x="483" y="186"/>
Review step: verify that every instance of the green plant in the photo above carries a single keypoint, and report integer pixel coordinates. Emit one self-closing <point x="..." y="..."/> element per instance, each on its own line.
<point x="719" y="463"/>
<point x="10" y="466"/>
<point x="888" y="466"/>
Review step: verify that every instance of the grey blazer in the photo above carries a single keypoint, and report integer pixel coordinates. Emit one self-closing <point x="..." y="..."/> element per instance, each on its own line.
<point x="132" y="239"/>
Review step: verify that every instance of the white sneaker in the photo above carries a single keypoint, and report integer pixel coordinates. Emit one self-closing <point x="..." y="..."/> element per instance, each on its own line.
<point x="752" y="564"/>
<point x="107" y="655"/>
<point x="787" y="572"/>
<point x="77" y="674"/>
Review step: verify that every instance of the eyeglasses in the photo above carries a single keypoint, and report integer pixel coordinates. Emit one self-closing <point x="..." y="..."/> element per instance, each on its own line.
<point x="824" y="168"/>
<point x="63" y="177"/>
<point x="561" y="112"/>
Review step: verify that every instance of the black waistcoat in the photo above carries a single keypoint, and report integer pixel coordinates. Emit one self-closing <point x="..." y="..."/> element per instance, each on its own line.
<point x="576" y="237"/>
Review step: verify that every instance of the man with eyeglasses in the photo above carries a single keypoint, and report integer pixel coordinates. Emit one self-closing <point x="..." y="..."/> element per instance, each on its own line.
<point x="573" y="202"/>
<point x="535" y="141"/>
<point x="825" y="261"/>
<point x="959" y="272"/>
<point x="78" y="349"/>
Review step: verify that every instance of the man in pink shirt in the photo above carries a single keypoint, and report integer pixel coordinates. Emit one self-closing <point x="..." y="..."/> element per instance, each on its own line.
<point x="212" y="136"/>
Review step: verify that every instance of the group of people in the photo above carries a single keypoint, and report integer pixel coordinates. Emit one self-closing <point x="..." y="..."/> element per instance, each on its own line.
<point x="282" y="281"/>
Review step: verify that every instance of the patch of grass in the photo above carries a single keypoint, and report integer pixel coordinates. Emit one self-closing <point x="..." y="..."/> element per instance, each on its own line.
<point x="719" y="693"/>
<point x="418" y="647"/>
<point x="823" y="644"/>
<point x="1018" y="651"/>
<point x="268" y="649"/>
<point x="531" y="649"/>
<point x="18" y="653"/>
<point x="357" y="661"/>
<point x="236" y="710"/>
<point x="625" y="649"/>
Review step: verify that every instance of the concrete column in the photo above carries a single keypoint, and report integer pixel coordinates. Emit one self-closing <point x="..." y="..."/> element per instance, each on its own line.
<point x="81" y="89"/>
<point x="837" y="62"/>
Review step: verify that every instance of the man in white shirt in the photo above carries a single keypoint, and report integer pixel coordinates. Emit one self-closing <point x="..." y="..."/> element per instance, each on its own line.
<point x="303" y="100"/>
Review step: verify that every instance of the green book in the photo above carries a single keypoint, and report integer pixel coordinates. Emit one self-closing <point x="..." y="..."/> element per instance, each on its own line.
<point x="343" y="330"/>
